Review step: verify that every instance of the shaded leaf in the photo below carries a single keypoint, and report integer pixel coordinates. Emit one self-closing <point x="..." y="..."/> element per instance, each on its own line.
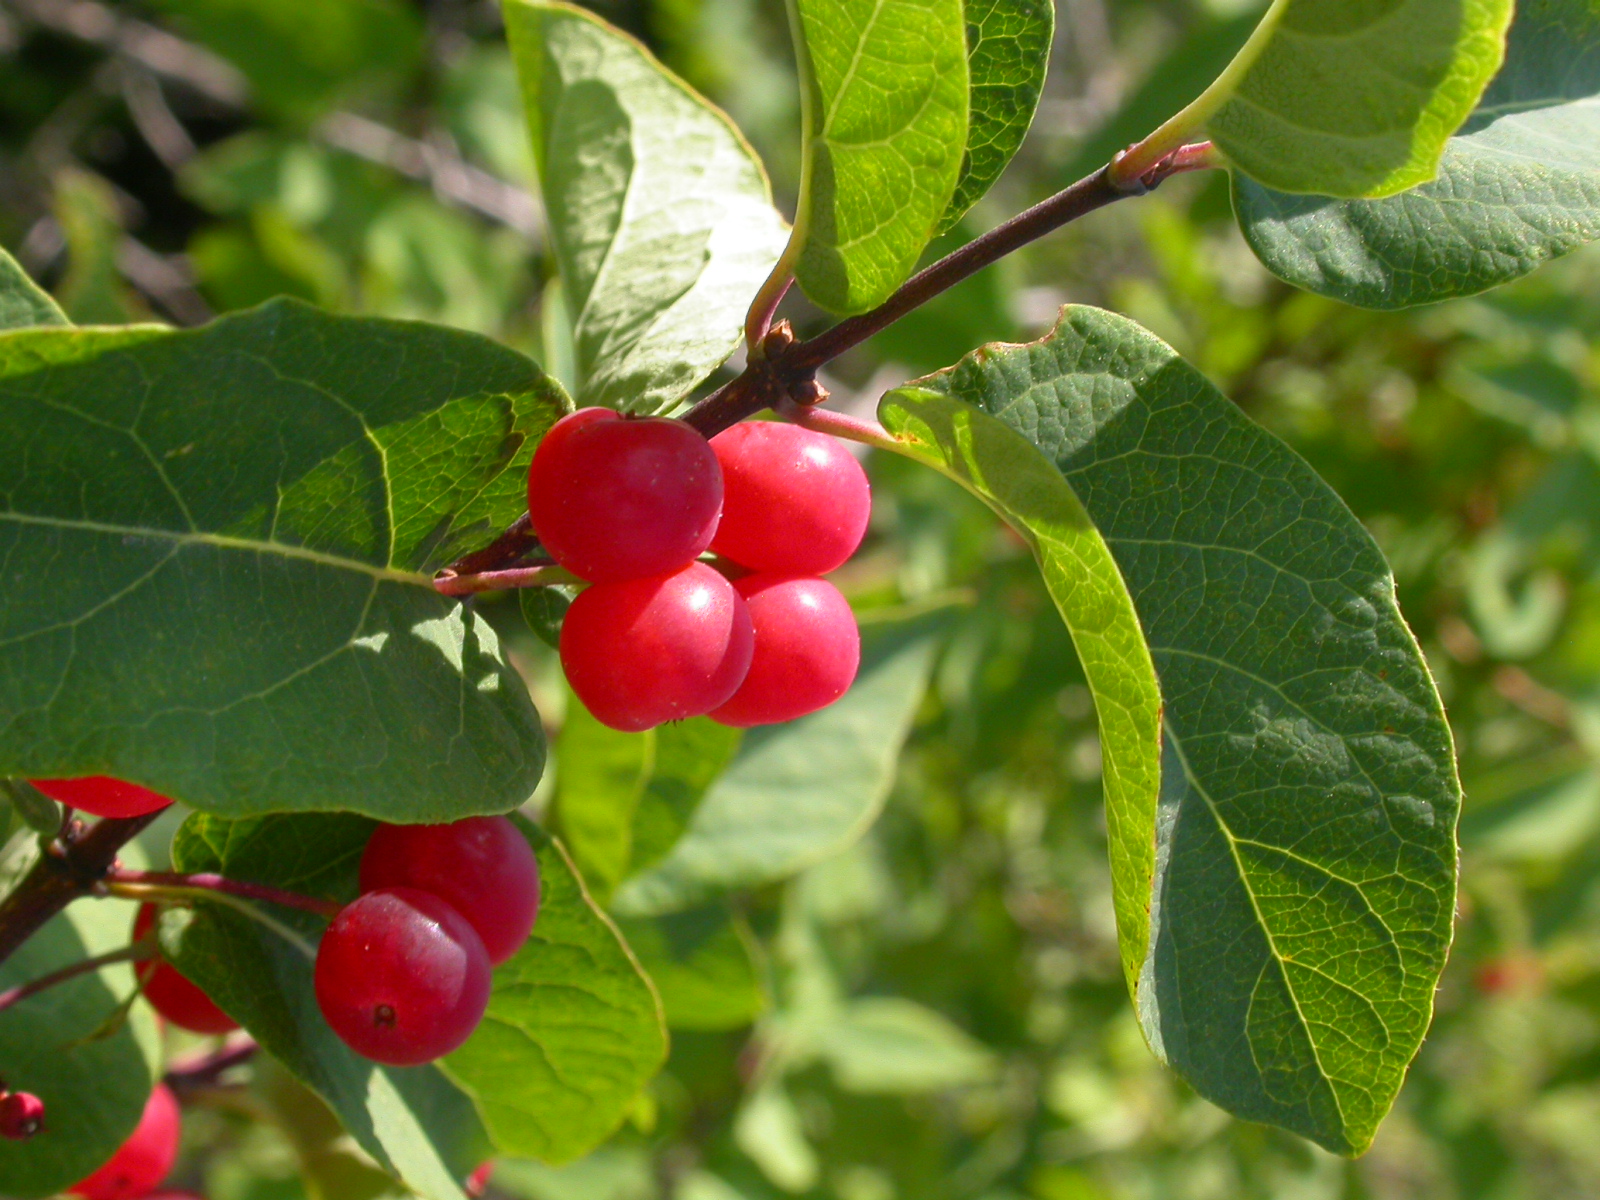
<point x="800" y="791"/>
<point x="600" y="776"/>
<point x="1519" y="184"/>
<point x="545" y="608"/>
<point x="702" y="965"/>
<point x="95" y="1093"/>
<point x="659" y="213"/>
<point x="573" y="1032"/>
<point x="214" y="548"/>
<point x="1352" y="99"/>
<point x="884" y="99"/>
<point x="1302" y="896"/>
<point x="37" y="811"/>
<point x="1008" y="52"/>
<point x="410" y="1119"/>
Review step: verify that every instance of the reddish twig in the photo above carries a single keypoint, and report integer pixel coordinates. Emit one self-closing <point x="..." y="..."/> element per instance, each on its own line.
<point x="205" y="1068"/>
<point x="73" y="865"/>
<point x="142" y="949"/>
<point x="153" y="884"/>
<point x="448" y="583"/>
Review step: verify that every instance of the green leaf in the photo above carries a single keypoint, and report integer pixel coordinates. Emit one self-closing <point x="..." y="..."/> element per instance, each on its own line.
<point x="623" y="799"/>
<point x="1349" y="99"/>
<point x="1008" y="52"/>
<point x="573" y="1032"/>
<point x="214" y="548"/>
<point x="93" y="1088"/>
<point x="1300" y="906"/>
<point x="545" y="608"/>
<point x="701" y="961"/>
<point x="801" y="791"/>
<point x="689" y="757"/>
<point x="1519" y="184"/>
<point x="601" y="773"/>
<point x="884" y="98"/>
<point x="885" y="1044"/>
<point x="38" y="811"/>
<point x="411" y="1119"/>
<point x="22" y="301"/>
<point x="659" y="213"/>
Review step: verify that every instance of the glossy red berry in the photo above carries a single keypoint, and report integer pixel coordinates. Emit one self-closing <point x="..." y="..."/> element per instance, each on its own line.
<point x="645" y="651"/>
<point x="794" y="500"/>
<point x="806" y="653"/>
<point x="621" y="498"/>
<point x="402" y="977"/>
<point x="144" y="1159"/>
<point x="21" y="1116"/>
<point x="171" y="994"/>
<point x="482" y="866"/>
<point x="103" y="796"/>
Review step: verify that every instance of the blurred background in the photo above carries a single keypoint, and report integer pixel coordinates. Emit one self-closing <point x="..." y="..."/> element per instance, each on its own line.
<point x="178" y="159"/>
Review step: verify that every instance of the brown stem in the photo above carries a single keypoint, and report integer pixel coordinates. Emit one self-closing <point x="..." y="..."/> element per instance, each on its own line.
<point x="72" y="866"/>
<point x="138" y="950"/>
<point x="151" y="884"/>
<point x="785" y="369"/>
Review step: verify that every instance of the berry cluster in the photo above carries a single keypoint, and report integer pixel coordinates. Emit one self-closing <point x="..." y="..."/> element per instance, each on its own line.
<point x="629" y="504"/>
<point x="402" y="974"/>
<point x="143" y="1161"/>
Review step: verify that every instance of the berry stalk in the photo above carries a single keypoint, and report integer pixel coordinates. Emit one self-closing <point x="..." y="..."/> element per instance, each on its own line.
<point x="136" y="952"/>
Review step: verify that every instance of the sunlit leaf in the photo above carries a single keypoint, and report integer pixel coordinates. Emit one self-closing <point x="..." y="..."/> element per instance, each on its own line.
<point x="1302" y="894"/>
<point x="659" y="213"/>
<point x="1519" y="184"/>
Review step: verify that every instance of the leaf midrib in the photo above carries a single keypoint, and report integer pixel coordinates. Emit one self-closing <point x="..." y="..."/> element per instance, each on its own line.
<point x="223" y="542"/>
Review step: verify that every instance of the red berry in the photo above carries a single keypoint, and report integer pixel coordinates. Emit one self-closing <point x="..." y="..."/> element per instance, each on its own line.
<point x="103" y="796"/>
<point x="794" y="500"/>
<point x="171" y="994"/>
<point x="806" y="654"/>
<point x="144" y="1159"/>
<point x="645" y="651"/>
<point x="482" y="866"/>
<point x="622" y="498"/>
<point x="21" y="1116"/>
<point x="402" y="977"/>
<point x="478" y="1182"/>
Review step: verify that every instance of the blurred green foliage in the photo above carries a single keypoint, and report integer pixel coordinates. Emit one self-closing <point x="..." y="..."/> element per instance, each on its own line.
<point x="946" y="1018"/>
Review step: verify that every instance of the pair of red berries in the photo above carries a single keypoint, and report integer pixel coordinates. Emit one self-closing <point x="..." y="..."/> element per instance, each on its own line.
<point x="629" y="504"/>
<point x="403" y="972"/>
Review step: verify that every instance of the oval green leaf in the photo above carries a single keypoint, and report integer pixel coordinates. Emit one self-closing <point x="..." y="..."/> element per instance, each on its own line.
<point x="658" y="211"/>
<point x="884" y="125"/>
<point x="215" y="549"/>
<point x="1299" y="909"/>
<point x="702" y="962"/>
<point x="1350" y="99"/>
<point x="1008" y="53"/>
<point x="1519" y="184"/>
